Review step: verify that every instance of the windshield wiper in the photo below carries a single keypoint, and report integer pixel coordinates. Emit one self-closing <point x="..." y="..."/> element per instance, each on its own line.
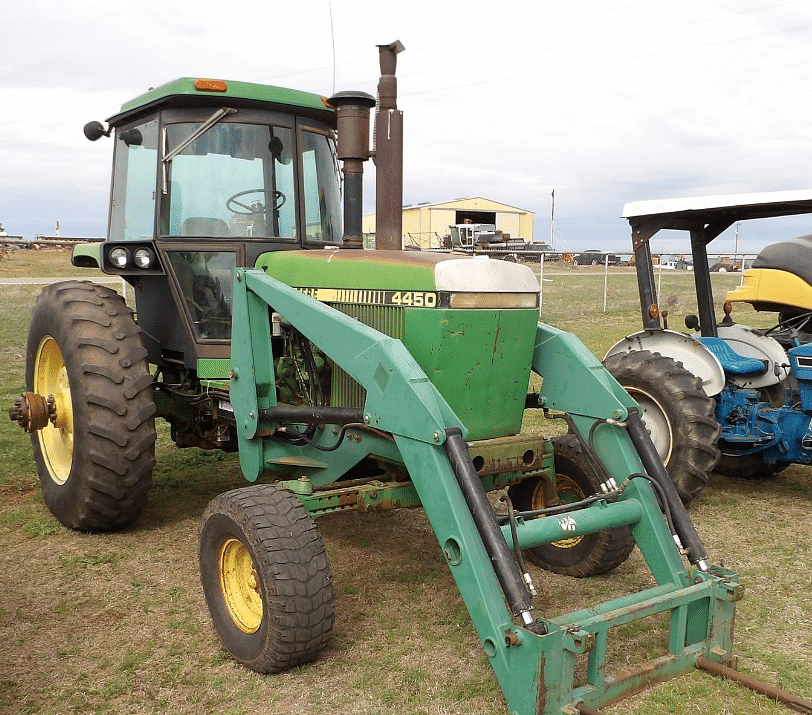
<point x="200" y="131"/>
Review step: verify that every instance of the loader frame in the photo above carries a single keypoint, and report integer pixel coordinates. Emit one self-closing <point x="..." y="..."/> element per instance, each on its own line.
<point x="534" y="658"/>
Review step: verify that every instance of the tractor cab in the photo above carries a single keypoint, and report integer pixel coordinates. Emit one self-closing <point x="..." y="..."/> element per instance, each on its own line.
<point x="471" y="235"/>
<point x="780" y="279"/>
<point x="207" y="176"/>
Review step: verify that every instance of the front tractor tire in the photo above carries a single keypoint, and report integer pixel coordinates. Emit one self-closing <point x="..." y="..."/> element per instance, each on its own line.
<point x="95" y="456"/>
<point x="580" y="556"/>
<point x="679" y="415"/>
<point x="266" y="578"/>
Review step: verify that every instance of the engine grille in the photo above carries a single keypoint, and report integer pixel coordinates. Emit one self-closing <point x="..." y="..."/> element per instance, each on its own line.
<point x="386" y="319"/>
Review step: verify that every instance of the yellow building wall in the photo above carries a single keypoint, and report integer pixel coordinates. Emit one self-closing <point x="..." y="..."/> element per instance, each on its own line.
<point x="425" y="225"/>
<point x="526" y="225"/>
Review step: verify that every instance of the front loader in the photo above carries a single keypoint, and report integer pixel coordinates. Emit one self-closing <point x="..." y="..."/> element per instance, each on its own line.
<point x="596" y="503"/>
<point x="349" y="379"/>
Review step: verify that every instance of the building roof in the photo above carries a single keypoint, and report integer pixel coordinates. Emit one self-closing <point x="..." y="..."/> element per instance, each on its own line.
<point x="470" y="201"/>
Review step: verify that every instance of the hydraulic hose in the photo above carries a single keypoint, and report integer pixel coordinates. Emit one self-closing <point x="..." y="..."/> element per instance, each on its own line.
<point x="498" y="551"/>
<point x="653" y="464"/>
<point x="317" y="414"/>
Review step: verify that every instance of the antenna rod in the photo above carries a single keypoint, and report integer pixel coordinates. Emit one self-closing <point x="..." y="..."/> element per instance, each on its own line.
<point x="333" y="41"/>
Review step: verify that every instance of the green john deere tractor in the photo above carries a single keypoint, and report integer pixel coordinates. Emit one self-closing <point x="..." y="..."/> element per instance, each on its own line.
<point x="348" y="379"/>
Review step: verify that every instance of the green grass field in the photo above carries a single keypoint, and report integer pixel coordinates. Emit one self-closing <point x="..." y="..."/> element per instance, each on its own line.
<point x="116" y="623"/>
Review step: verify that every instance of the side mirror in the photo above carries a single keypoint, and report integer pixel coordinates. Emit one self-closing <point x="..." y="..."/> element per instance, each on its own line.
<point x="132" y="137"/>
<point x="95" y="130"/>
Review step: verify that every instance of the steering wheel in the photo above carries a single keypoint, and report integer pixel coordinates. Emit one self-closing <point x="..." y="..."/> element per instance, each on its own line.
<point x="256" y="207"/>
<point x="791" y="324"/>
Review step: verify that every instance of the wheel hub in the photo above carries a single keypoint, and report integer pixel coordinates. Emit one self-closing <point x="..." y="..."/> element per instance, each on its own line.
<point x="33" y="411"/>
<point x="55" y="439"/>
<point x="656" y="421"/>
<point x="568" y="491"/>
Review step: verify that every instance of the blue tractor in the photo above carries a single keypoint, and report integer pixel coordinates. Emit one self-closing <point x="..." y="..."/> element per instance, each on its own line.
<point x="723" y="397"/>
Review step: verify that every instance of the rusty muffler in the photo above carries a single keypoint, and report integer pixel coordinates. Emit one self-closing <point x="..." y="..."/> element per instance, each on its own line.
<point x="389" y="154"/>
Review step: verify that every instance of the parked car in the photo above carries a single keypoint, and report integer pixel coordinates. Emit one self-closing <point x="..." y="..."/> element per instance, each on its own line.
<point x="594" y="257"/>
<point x="549" y="252"/>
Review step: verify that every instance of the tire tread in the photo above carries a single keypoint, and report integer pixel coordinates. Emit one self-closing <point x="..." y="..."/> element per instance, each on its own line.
<point x="294" y="571"/>
<point x="114" y="413"/>
<point x="694" y="451"/>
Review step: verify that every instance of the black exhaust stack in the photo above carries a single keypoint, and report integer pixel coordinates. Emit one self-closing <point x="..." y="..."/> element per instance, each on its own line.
<point x="352" y="109"/>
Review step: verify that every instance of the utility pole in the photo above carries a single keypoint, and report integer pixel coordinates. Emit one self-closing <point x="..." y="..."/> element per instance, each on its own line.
<point x="552" y="221"/>
<point x="736" y="246"/>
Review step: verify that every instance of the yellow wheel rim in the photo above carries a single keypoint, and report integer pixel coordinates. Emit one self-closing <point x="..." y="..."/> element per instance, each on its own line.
<point x="240" y="584"/>
<point x="56" y="440"/>
<point x="568" y="492"/>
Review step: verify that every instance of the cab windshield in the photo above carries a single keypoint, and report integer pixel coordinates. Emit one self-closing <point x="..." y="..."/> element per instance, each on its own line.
<point x="232" y="180"/>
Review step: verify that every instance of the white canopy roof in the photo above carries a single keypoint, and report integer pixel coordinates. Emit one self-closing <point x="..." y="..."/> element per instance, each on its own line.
<point x="736" y="207"/>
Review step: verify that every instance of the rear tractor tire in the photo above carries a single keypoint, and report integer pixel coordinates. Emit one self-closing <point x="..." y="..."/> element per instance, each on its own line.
<point x="580" y="556"/>
<point x="748" y="466"/>
<point x="679" y="415"/>
<point x="96" y="454"/>
<point x="266" y="578"/>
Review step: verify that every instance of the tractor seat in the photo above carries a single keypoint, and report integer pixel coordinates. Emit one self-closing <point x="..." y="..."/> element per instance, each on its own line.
<point x="201" y="226"/>
<point x="731" y="361"/>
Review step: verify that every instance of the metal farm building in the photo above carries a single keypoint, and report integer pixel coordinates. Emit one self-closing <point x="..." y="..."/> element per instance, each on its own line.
<point x="424" y="225"/>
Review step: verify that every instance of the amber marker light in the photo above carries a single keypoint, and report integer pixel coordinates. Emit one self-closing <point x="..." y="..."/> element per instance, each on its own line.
<point x="653" y="311"/>
<point x="727" y="307"/>
<point x="210" y="85"/>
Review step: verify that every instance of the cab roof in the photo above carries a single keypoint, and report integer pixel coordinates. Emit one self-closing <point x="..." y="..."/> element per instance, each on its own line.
<point x="193" y="92"/>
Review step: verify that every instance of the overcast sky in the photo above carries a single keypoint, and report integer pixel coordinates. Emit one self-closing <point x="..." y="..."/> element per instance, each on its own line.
<point x="604" y="101"/>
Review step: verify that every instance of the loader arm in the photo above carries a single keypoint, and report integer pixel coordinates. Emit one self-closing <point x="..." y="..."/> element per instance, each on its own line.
<point x="533" y="657"/>
<point x="608" y="422"/>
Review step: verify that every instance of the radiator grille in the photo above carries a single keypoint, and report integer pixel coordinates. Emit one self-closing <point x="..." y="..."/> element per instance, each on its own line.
<point x="386" y="319"/>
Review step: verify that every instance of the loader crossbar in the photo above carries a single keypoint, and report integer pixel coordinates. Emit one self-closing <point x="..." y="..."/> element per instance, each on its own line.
<point x="534" y="657"/>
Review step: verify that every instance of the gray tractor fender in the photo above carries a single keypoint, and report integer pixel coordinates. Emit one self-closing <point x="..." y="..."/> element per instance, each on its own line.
<point x="693" y="355"/>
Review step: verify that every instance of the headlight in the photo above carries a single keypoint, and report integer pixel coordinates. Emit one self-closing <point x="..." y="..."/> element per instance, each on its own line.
<point x="144" y="258"/>
<point x="119" y="257"/>
<point x="496" y="300"/>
